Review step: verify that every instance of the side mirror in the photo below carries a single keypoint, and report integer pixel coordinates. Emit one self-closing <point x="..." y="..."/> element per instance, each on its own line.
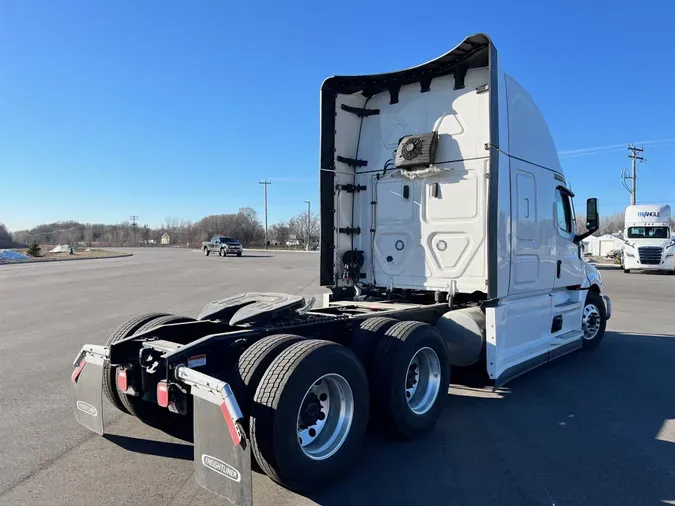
<point x="592" y="220"/>
<point x="592" y="217"/>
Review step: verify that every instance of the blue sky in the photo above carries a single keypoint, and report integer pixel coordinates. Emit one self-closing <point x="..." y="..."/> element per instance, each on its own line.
<point x="157" y="109"/>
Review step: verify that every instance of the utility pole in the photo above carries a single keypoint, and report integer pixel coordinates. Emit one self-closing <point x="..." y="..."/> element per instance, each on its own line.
<point x="265" y="182"/>
<point x="133" y="228"/>
<point x="634" y="150"/>
<point x="309" y="223"/>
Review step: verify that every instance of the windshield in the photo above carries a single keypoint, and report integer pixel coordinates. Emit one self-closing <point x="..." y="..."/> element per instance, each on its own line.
<point x="228" y="240"/>
<point x="648" y="232"/>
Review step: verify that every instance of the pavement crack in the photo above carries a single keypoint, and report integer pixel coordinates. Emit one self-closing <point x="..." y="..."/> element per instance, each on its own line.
<point x="173" y="497"/>
<point x="308" y="284"/>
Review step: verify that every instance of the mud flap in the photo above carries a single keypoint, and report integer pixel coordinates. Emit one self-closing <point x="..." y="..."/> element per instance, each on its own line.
<point x="222" y="452"/>
<point x="87" y="385"/>
<point x="221" y="466"/>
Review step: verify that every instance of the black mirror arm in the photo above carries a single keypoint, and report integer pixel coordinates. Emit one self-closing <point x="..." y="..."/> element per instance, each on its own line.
<point x="580" y="237"/>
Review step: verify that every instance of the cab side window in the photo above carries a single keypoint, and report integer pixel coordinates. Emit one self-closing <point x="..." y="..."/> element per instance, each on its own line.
<point x="563" y="211"/>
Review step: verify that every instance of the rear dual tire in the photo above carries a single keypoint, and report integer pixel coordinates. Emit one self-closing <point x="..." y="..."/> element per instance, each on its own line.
<point x="145" y="411"/>
<point x="311" y="379"/>
<point x="364" y="340"/>
<point x="252" y="364"/>
<point x="110" y="372"/>
<point x="309" y="414"/>
<point x="410" y="379"/>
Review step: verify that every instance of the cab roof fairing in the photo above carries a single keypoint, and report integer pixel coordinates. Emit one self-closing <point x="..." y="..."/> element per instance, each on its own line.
<point x="473" y="52"/>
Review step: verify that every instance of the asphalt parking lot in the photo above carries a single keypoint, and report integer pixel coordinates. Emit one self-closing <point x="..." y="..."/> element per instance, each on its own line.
<point x="592" y="428"/>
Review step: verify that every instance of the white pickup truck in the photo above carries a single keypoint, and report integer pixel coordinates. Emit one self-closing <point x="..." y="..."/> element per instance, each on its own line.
<point x="222" y="245"/>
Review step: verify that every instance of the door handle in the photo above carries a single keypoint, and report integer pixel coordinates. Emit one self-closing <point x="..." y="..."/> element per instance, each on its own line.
<point x="559" y="267"/>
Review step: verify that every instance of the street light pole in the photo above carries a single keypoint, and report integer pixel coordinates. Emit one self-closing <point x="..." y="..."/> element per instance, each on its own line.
<point x="265" y="182"/>
<point x="309" y="223"/>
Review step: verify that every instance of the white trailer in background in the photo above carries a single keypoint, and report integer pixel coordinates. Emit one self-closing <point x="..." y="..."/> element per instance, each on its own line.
<point x="649" y="244"/>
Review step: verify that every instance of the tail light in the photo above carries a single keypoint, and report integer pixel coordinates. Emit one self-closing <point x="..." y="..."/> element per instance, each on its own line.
<point x="163" y="394"/>
<point x="122" y="380"/>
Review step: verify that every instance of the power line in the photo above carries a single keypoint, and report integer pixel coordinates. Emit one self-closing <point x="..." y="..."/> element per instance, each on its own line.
<point x="610" y="147"/>
<point x="53" y="231"/>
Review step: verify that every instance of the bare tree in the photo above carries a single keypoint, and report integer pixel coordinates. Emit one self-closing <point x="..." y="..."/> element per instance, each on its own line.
<point x="244" y="226"/>
<point x="612" y="224"/>
<point x="74" y="235"/>
<point x="581" y="223"/>
<point x="191" y="233"/>
<point x="280" y="232"/>
<point x="88" y="234"/>
<point x="21" y="237"/>
<point x="6" y="239"/>
<point x="305" y="228"/>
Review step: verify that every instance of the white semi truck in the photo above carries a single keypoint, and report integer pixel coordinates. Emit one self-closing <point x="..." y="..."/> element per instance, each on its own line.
<point x="447" y="240"/>
<point x="649" y="244"/>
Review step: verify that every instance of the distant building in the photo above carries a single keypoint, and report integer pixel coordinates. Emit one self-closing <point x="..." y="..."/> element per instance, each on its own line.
<point x="601" y="246"/>
<point x="165" y="238"/>
<point x="292" y="241"/>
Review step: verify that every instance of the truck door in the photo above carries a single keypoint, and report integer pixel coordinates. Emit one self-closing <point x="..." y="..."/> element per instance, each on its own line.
<point x="568" y="270"/>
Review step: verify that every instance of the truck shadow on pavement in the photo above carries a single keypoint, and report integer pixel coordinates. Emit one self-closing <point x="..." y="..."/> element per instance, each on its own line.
<point x="150" y="447"/>
<point x="590" y="428"/>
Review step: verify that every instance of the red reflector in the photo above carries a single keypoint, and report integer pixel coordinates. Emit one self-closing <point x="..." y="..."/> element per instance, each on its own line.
<point x="234" y="433"/>
<point x="78" y="369"/>
<point x="163" y="394"/>
<point x="122" y="381"/>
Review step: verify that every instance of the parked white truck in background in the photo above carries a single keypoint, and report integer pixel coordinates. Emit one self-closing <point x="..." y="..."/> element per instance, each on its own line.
<point x="447" y="239"/>
<point x="649" y="244"/>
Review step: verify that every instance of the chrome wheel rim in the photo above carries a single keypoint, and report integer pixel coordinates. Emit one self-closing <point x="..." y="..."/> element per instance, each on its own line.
<point x="325" y="416"/>
<point x="423" y="380"/>
<point x="590" y="322"/>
